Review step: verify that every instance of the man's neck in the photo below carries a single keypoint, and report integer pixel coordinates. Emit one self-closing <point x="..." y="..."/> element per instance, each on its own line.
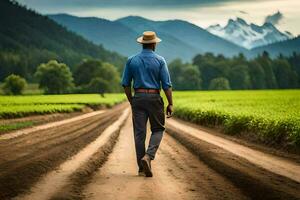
<point x="149" y="49"/>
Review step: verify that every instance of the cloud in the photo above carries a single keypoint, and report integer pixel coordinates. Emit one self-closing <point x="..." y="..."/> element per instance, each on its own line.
<point x="275" y="18"/>
<point x="114" y="3"/>
<point x="243" y="12"/>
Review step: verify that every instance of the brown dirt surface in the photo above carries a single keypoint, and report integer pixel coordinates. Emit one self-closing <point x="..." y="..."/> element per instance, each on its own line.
<point x="178" y="174"/>
<point x="249" y="140"/>
<point x="259" y="175"/>
<point x="191" y="164"/>
<point x="25" y="158"/>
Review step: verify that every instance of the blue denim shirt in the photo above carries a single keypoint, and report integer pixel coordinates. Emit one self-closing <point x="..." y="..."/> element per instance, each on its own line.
<point x="148" y="70"/>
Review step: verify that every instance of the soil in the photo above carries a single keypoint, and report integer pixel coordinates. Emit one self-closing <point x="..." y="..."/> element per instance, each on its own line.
<point x="191" y="163"/>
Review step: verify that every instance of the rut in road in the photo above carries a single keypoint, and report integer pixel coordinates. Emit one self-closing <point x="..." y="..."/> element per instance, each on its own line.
<point x="24" y="159"/>
<point x="55" y="180"/>
<point x="186" y="167"/>
<point x="178" y="174"/>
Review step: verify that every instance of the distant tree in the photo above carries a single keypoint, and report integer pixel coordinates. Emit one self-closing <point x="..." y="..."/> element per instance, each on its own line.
<point x="211" y="67"/>
<point x="239" y="77"/>
<point x="220" y="83"/>
<point x="185" y="76"/>
<point x="91" y="69"/>
<point x="14" y="85"/>
<point x="98" y="85"/>
<point x="294" y="61"/>
<point x="109" y="73"/>
<point x="190" y="78"/>
<point x="286" y="77"/>
<point x="266" y="63"/>
<point x="257" y="75"/>
<point x="54" y="77"/>
<point x="85" y="71"/>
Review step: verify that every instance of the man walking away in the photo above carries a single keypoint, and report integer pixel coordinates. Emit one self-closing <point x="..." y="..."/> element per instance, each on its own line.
<point x="149" y="73"/>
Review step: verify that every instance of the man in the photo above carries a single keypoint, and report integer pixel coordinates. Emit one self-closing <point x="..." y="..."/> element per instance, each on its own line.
<point x="149" y="73"/>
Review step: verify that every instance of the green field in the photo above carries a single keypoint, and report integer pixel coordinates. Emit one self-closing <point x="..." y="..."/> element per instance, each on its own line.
<point x="19" y="106"/>
<point x="273" y="116"/>
<point x="270" y="115"/>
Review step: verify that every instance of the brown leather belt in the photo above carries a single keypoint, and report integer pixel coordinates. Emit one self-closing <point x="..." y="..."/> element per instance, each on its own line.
<point x="151" y="91"/>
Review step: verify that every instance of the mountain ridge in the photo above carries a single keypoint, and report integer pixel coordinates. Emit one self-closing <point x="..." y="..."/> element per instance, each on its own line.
<point x="249" y="35"/>
<point x="176" y="42"/>
<point x="181" y="39"/>
<point x="28" y="39"/>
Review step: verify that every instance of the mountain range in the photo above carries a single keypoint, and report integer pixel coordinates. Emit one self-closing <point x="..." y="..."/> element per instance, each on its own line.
<point x="249" y="35"/>
<point x="181" y="39"/>
<point x="28" y="39"/>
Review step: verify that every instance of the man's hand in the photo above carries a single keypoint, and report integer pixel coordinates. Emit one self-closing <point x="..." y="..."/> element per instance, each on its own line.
<point x="169" y="110"/>
<point x="128" y="93"/>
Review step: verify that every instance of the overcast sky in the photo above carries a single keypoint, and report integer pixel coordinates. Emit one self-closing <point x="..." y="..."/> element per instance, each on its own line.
<point x="200" y="12"/>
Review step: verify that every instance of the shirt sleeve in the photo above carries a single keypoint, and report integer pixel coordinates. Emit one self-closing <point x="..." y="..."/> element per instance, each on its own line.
<point x="165" y="76"/>
<point x="127" y="75"/>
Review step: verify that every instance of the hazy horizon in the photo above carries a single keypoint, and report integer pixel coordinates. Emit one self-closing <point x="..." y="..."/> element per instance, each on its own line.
<point x="202" y="13"/>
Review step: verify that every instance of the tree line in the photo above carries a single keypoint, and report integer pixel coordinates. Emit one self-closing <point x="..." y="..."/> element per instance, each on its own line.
<point x="90" y="76"/>
<point x="216" y="72"/>
<point x="205" y="72"/>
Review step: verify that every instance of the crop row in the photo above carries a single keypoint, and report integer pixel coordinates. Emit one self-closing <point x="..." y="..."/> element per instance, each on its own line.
<point x="20" y="106"/>
<point x="270" y="116"/>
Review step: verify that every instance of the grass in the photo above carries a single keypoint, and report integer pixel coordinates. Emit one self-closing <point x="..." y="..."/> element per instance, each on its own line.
<point x="271" y="115"/>
<point x="20" y="106"/>
<point x="14" y="126"/>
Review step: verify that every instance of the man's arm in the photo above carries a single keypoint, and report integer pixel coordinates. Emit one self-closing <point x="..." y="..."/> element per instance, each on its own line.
<point x="169" y="110"/>
<point x="126" y="81"/>
<point x="167" y="87"/>
<point x="128" y="93"/>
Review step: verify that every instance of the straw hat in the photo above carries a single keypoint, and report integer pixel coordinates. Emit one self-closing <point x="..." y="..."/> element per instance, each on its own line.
<point x="148" y="38"/>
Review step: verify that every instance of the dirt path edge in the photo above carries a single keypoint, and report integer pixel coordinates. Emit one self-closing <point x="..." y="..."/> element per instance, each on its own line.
<point x="254" y="181"/>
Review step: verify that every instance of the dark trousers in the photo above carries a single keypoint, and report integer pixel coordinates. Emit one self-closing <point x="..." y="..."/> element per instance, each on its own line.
<point x="144" y="107"/>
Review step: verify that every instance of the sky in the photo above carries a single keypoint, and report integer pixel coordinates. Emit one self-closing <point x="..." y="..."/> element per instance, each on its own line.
<point x="200" y="12"/>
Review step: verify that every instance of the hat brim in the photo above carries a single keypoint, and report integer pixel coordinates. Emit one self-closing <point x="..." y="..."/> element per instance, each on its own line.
<point x="140" y="40"/>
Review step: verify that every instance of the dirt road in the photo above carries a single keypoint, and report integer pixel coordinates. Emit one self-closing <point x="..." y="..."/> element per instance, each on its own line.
<point x="178" y="174"/>
<point x="68" y="162"/>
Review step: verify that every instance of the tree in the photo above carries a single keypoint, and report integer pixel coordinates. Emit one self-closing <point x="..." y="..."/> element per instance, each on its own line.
<point x="85" y="71"/>
<point x="257" y="75"/>
<point x="286" y="77"/>
<point x="90" y="69"/>
<point x="109" y="73"/>
<point x="239" y="77"/>
<point x="294" y="61"/>
<point x="185" y="76"/>
<point x="14" y="84"/>
<point x="266" y="63"/>
<point x="54" y="77"/>
<point x="98" y="85"/>
<point x="220" y="83"/>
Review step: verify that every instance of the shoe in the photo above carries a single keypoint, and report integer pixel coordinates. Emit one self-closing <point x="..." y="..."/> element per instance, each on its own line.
<point x="146" y="163"/>
<point x="141" y="173"/>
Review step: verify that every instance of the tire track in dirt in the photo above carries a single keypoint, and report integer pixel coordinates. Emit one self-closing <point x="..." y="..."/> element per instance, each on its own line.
<point x="269" y="162"/>
<point x="48" y="125"/>
<point x="178" y="174"/>
<point x="25" y="158"/>
<point x="254" y="181"/>
<point x="53" y="181"/>
<point x="186" y="167"/>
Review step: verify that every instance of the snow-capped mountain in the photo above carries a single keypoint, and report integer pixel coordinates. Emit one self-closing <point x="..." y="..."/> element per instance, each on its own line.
<point x="249" y="35"/>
